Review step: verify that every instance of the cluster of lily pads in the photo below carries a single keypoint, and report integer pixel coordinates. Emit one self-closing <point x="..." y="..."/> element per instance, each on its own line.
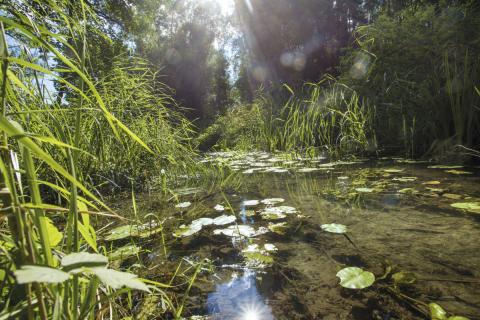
<point x="264" y="162"/>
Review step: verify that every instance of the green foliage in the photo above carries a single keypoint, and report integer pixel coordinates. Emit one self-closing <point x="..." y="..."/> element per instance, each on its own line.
<point x="420" y="68"/>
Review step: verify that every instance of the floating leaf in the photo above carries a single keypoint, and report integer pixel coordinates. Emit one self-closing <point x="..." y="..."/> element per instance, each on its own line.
<point x="219" y="207"/>
<point x="307" y="170"/>
<point x="431" y="183"/>
<point x="117" y="279"/>
<point x="240" y="231"/>
<point x="343" y="178"/>
<point x="334" y="228"/>
<point x="223" y="220"/>
<point x="393" y="170"/>
<point x="405" y="179"/>
<point x="270" y="247"/>
<point x="408" y="190"/>
<point x="445" y="167"/>
<point x="249" y="213"/>
<point x="250" y="203"/>
<point x="278" y="228"/>
<point x="186" y="231"/>
<point x="272" y="214"/>
<point x="272" y="201"/>
<point x="355" y="278"/>
<point x="183" y="205"/>
<point x="83" y="260"/>
<point x="257" y="259"/>
<point x="458" y="172"/>
<point x="122" y="232"/>
<point x="473" y="207"/>
<point x="452" y="196"/>
<point x="437" y="312"/>
<point x="29" y="274"/>
<point x="124" y="252"/>
<point x="364" y="190"/>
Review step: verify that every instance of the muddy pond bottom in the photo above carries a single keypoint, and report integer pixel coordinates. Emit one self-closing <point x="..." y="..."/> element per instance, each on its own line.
<point x="307" y="239"/>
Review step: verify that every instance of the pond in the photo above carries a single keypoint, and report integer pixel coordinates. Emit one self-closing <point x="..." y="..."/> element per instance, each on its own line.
<point x="275" y="246"/>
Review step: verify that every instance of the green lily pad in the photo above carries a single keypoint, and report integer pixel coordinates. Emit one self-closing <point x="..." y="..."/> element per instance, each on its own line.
<point x="393" y="170"/>
<point x="124" y="252"/>
<point x="440" y="166"/>
<point x="432" y="183"/>
<point x="473" y="207"/>
<point x="334" y="228"/>
<point x="223" y="220"/>
<point x="219" y="207"/>
<point x="405" y="179"/>
<point x="408" y="190"/>
<point x="355" y="278"/>
<point x="272" y="213"/>
<point x="122" y="232"/>
<point x="364" y="190"/>
<point x="183" y="205"/>
<point x="251" y="203"/>
<point x="437" y="312"/>
<point x="307" y="170"/>
<point x="186" y="231"/>
<point x="278" y="228"/>
<point x="452" y="196"/>
<point x="272" y="201"/>
<point x="238" y="231"/>
<point x="270" y="247"/>
<point x="458" y="172"/>
<point x="257" y="259"/>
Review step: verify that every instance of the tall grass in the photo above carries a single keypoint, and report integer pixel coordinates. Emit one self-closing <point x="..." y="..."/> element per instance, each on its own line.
<point x="58" y="152"/>
<point x="324" y="117"/>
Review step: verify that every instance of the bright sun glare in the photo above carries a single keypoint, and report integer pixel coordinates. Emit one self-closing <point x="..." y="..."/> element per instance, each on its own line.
<point x="226" y="6"/>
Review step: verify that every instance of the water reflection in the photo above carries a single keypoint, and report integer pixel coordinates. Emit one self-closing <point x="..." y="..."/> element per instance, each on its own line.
<point x="239" y="299"/>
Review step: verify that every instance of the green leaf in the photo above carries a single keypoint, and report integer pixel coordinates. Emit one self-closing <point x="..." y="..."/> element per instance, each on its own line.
<point x="124" y="252"/>
<point x="364" y="190"/>
<point x="117" y="279"/>
<point x="334" y="228"/>
<point x="355" y="278"/>
<point x="83" y="260"/>
<point x="122" y="232"/>
<point x="437" y="312"/>
<point x="29" y="274"/>
<point x="54" y="236"/>
<point x="473" y="207"/>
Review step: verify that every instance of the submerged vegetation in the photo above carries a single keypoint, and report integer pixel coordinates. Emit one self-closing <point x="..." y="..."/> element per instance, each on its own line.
<point x="162" y="160"/>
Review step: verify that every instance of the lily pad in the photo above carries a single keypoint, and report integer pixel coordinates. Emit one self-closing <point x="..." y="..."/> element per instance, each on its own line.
<point x="270" y="247"/>
<point x="124" y="252"/>
<point x="122" y="232"/>
<point x="238" y="231"/>
<point x="364" y="190"/>
<point x="272" y="201"/>
<point x="307" y="170"/>
<point x="278" y="228"/>
<point x="408" y="190"/>
<point x="405" y="179"/>
<point x="432" y="183"/>
<point x="473" y="207"/>
<point x="223" y="220"/>
<point x="437" y="312"/>
<point x="257" y="259"/>
<point x="219" y="207"/>
<point x="452" y="196"/>
<point x="355" y="278"/>
<point x="183" y="205"/>
<point x="440" y="166"/>
<point x="251" y="203"/>
<point x="334" y="228"/>
<point x="186" y="231"/>
<point x="458" y="172"/>
<point x="393" y="170"/>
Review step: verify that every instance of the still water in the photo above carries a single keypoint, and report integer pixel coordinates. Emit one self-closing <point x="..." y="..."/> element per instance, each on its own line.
<point x="277" y="262"/>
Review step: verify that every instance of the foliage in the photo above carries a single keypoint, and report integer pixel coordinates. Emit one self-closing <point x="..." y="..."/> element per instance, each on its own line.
<point x="421" y="67"/>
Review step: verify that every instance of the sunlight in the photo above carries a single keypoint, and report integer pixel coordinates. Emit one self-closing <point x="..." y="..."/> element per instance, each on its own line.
<point x="226" y="6"/>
